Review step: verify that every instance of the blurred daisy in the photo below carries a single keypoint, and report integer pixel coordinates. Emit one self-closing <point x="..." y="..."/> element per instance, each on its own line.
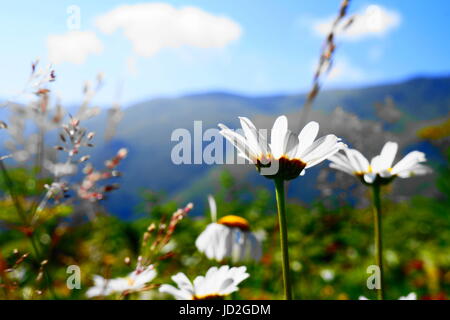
<point x="288" y="154"/>
<point x="229" y="237"/>
<point x="411" y="296"/>
<point x="216" y="284"/>
<point x="100" y="288"/>
<point x="135" y="281"/>
<point x="380" y="169"/>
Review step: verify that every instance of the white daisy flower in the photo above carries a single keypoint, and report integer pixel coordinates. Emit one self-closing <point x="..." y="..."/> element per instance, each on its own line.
<point x="100" y="287"/>
<point x="380" y="169"/>
<point x="288" y="154"/>
<point x="229" y="237"/>
<point x="216" y="284"/>
<point x="411" y="296"/>
<point x="135" y="281"/>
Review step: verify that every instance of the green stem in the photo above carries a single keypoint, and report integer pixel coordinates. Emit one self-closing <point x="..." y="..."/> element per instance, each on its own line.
<point x="378" y="236"/>
<point x="279" y="189"/>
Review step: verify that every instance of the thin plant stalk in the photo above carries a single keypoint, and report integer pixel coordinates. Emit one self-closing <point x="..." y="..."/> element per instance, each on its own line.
<point x="279" y="190"/>
<point x="40" y="153"/>
<point x="378" y="237"/>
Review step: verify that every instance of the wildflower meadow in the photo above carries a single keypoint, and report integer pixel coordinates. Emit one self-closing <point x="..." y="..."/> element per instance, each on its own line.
<point x="207" y="197"/>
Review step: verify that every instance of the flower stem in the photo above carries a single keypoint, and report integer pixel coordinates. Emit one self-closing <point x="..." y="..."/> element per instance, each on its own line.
<point x="378" y="237"/>
<point x="279" y="190"/>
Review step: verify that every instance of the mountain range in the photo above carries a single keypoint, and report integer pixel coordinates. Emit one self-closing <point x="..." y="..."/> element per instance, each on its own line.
<point x="146" y="129"/>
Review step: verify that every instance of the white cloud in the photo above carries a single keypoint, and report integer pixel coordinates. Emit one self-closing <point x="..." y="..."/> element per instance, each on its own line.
<point x="154" y="26"/>
<point x="373" y="20"/>
<point x="73" y="46"/>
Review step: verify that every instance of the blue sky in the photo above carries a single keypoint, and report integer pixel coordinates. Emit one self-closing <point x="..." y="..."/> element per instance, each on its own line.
<point x="273" y="48"/>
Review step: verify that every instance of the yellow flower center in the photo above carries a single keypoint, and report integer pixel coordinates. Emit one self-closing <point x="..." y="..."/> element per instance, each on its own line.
<point x="235" y="222"/>
<point x="370" y="170"/>
<point x="130" y="281"/>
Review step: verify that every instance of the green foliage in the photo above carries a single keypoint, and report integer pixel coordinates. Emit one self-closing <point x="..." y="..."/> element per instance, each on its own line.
<point x="330" y="248"/>
<point x="25" y="182"/>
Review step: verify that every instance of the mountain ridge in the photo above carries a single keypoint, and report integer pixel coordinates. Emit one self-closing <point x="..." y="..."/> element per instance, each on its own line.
<point x="146" y="131"/>
<point x="146" y="128"/>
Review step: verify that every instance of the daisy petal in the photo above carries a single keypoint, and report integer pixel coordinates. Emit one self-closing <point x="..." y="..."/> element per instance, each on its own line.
<point x="369" y="177"/>
<point x="387" y="155"/>
<point x="178" y="294"/>
<point x="359" y="163"/>
<point x="321" y="149"/>
<point x="245" y="150"/>
<point x="326" y="154"/>
<point x="376" y="164"/>
<point x="341" y="168"/>
<point x="278" y="136"/>
<point x="417" y="170"/>
<point x="183" y="282"/>
<point x="409" y="161"/>
<point x="251" y="135"/>
<point x="307" y="136"/>
<point x="290" y="145"/>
